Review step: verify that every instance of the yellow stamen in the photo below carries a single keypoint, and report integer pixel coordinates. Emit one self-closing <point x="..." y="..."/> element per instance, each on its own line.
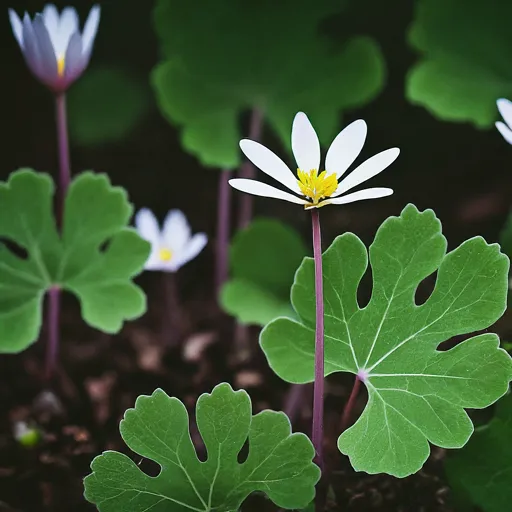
<point x="60" y="66"/>
<point x="316" y="186"/>
<point x="165" y="254"/>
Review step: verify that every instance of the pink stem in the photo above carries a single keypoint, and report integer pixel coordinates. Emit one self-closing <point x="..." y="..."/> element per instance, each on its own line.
<point x="347" y="411"/>
<point x="223" y="230"/>
<point x="52" y="347"/>
<point x="53" y="312"/>
<point x="318" y="389"/>
<point x="247" y="170"/>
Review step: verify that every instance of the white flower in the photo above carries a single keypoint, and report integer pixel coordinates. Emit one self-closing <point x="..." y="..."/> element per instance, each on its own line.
<point x="174" y="245"/>
<point x="314" y="188"/>
<point x="55" y="50"/>
<point x="505" y="108"/>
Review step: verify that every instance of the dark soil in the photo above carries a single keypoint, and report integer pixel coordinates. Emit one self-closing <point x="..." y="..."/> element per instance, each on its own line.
<point x="100" y="377"/>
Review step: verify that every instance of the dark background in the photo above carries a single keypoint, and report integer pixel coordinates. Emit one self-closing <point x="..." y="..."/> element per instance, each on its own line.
<point x="463" y="174"/>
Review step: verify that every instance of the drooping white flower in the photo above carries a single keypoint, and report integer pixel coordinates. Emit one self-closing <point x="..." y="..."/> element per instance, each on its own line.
<point x="55" y="50"/>
<point x="505" y="108"/>
<point x="173" y="245"/>
<point x="313" y="188"/>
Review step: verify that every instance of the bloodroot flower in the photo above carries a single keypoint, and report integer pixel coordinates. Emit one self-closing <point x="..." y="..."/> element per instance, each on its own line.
<point x="174" y="245"/>
<point x="315" y="188"/>
<point x="505" y="108"/>
<point x="54" y="49"/>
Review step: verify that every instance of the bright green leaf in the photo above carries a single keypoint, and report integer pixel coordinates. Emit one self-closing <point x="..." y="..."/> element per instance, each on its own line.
<point x="483" y="469"/>
<point x="465" y="47"/>
<point x="105" y="105"/>
<point x="264" y="258"/>
<point x="417" y="394"/>
<point x="95" y="214"/>
<point x="238" y="56"/>
<point x="279" y="462"/>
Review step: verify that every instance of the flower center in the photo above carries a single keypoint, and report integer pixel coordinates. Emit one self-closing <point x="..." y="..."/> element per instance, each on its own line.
<point x="165" y="254"/>
<point x="316" y="186"/>
<point x="60" y="66"/>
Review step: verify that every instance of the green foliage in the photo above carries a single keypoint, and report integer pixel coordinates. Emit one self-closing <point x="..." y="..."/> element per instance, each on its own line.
<point x="482" y="470"/>
<point x="95" y="214"/>
<point x="279" y="463"/>
<point x="466" y="47"/>
<point x="264" y="258"/>
<point x="416" y="393"/>
<point x="105" y="105"/>
<point x="235" y="56"/>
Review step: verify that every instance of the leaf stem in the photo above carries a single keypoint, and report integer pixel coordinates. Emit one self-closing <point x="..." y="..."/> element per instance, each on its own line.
<point x="52" y="319"/>
<point x="223" y="230"/>
<point x="347" y="411"/>
<point x="318" y="389"/>
<point x="247" y="170"/>
<point x="63" y="184"/>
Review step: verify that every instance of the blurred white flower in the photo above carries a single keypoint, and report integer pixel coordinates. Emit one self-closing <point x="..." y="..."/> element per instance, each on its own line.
<point x="505" y="108"/>
<point x="174" y="245"/>
<point x="315" y="188"/>
<point x="55" y="50"/>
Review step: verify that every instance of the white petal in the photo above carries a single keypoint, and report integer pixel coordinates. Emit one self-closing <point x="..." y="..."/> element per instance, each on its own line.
<point x="305" y="144"/>
<point x="148" y="227"/>
<point x="368" y="193"/>
<point x="68" y="25"/>
<point x="505" y="108"/>
<point x="345" y="148"/>
<point x="176" y="231"/>
<point x="17" y="27"/>
<point x="190" y="251"/>
<point x="51" y="21"/>
<point x="90" y="29"/>
<point x="367" y="170"/>
<point x="269" y="163"/>
<point x="505" y="131"/>
<point x="258" y="188"/>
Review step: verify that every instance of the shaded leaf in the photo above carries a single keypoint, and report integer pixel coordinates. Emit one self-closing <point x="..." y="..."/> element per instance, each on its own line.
<point x="279" y="462"/>
<point x="416" y="393"/>
<point x="264" y="258"/>
<point x="105" y="105"/>
<point x="95" y="214"/>
<point x="237" y="56"/>
<point x="482" y="470"/>
<point x="465" y="47"/>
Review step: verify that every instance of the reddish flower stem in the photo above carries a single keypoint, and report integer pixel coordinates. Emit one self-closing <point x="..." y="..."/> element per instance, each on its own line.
<point x="223" y="230"/>
<point x="318" y="389"/>
<point x="63" y="149"/>
<point x="247" y="170"/>
<point x="53" y="312"/>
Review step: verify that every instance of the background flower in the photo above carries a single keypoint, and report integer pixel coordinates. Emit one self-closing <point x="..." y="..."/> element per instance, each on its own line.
<point x="55" y="50"/>
<point x="173" y="245"/>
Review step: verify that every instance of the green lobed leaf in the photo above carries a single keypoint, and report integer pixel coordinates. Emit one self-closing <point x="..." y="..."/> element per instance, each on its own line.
<point x="279" y="463"/>
<point x="95" y="214"/>
<point x="264" y="258"/>
<point x="465" y="47"/>
<point x="105" y="105"/>
<point x="482" y="470"/>
<point x="416" y="393"/>
<point x="238" y="56"/>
